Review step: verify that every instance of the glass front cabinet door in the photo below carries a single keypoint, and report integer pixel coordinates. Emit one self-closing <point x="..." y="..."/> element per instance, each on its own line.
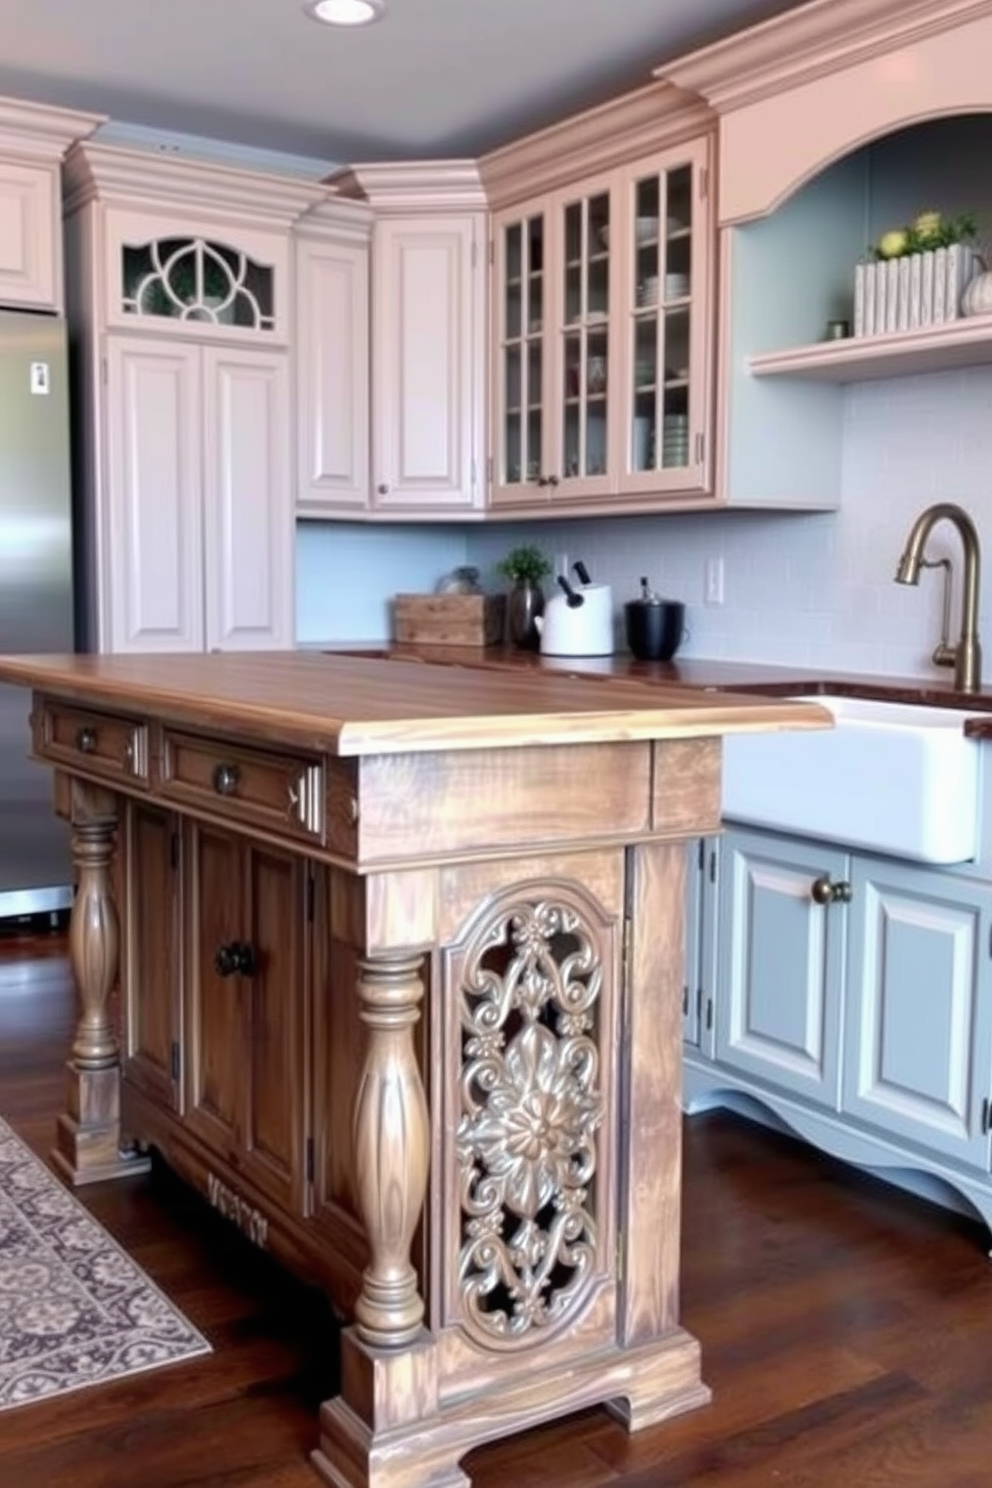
<point x="601" y="334"/>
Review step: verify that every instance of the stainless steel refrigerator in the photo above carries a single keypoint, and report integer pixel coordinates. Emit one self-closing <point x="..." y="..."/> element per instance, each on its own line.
<point x="36" y="597"/>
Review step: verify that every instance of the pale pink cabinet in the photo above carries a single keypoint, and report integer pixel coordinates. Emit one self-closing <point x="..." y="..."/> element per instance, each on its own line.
<point x="426" y="359"/>
<point x="331" y="358"/>
<point x="428" y="316"/>
<point x="600" y="331"/>
<point x="30" y="227"/>
<point x="197" y="546"/>
<point x="180" y="280"/>
<point x="33" y="140"/>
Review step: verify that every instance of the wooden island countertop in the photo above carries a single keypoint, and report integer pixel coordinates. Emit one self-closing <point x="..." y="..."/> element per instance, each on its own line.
<point x="400" y="957"/>
<point x="353" y="705"/>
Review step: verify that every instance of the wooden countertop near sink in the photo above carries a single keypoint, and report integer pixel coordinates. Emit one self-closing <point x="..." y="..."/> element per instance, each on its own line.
<point x="701" y="672"/>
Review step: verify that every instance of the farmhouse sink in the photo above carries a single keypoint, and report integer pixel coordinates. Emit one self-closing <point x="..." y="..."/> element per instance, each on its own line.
<point x="895" y="778"/>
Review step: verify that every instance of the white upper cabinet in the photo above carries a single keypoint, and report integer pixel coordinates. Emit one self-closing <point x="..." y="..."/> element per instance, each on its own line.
<point x="33" y="140"/>
<point x="181" y="297"/>
<point x="427" y="382"/>
<point x="427" y="319"/>
<point x="332" y="359"/>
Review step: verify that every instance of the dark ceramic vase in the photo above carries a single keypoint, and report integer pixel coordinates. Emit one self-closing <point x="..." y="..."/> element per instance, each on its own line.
<point x="525" y="603"/>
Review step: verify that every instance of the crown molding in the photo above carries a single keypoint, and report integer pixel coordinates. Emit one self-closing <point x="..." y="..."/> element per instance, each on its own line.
<point x="340" y="218"/>
<point x="636" y="124"/>
<point x="33" y="131"/>
<point x="810" y="42"/>
<point x="132" y="178"/>
<point x="420" y="185"/>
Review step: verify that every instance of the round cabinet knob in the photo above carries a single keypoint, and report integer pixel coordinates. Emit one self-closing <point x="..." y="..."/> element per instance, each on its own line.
<point x="225" y="779"/>
<point x="86" y="740"/>
<point x="825" y="891"/>
<point x="235" y="958"/>
<point x="383" y="488"/>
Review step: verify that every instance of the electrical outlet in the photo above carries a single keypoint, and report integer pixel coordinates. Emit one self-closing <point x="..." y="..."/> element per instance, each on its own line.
<point x="714" y="581"/>
<point x="561" y="565"/>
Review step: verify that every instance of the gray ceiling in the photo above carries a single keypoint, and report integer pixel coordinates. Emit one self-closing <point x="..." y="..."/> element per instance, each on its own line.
<point x="434" y="77"/>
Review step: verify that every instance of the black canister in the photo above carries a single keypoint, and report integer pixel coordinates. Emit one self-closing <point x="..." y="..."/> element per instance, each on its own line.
<point x="655" y="627"/>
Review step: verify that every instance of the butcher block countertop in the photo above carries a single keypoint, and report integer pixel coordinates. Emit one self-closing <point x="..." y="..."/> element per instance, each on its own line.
<point x="352" y="704"/>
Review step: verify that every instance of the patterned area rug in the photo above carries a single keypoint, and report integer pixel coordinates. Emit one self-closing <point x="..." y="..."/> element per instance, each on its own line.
<point x="74" y="1309"/>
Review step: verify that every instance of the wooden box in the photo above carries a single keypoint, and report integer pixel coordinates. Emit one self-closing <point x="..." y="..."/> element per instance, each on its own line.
<point x="449" y="619"/>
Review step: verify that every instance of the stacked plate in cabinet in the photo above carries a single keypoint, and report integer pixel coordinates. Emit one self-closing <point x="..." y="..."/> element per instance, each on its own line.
<point x="675" y="439"/>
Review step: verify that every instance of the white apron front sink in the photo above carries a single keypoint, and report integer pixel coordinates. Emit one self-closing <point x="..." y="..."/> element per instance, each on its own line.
<point x="895" y="778"/>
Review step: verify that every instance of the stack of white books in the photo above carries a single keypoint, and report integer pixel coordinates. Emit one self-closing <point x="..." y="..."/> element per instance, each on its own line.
<point x="919" y="289"/>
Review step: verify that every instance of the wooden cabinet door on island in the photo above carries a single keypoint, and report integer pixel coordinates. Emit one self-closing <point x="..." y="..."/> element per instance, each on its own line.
<point x="247" y="985"/>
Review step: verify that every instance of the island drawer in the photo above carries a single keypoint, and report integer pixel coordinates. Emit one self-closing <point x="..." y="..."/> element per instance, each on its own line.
<point x="282" y="792"/>
<point x="96" y="743"/>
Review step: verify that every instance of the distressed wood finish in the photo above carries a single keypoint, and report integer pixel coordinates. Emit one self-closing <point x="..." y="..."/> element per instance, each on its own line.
<point x="90" y="1146"/>
<point x="401" y="973"/>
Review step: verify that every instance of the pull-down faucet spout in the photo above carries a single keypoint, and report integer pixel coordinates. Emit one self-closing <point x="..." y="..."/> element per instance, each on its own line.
<point x="966" y="656"/>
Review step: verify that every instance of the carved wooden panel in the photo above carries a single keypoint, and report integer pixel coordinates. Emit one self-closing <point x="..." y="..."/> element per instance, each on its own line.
<point x="527" y="1053"/>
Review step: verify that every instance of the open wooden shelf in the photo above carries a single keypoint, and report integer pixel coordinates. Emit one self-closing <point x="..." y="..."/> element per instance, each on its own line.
<point x="939" y="348"/>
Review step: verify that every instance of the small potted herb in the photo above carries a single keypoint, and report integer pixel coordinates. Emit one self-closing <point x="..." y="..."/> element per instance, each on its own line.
<point x="525" y="567"/>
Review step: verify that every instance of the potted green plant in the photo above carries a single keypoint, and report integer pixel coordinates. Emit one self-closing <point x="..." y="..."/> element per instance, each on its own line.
<point x="525" y="566"/>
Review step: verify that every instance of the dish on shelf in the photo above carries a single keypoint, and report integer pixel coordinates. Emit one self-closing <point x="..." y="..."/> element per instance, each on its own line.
<point x="676" y="286"/>
<point x="645" y="230"/>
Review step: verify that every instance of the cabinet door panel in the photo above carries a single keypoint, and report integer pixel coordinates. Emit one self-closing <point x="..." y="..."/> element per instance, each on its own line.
<point x="428" y="312"/>
<point x="919" y="1016"/>
<point x="780" y="964"/>
<point x="248" y="504"/>
<point x="150" y="963"/>
<point x="218" y="1007"/>
<point x="151" y="550"/>
<point x="333" y="340"/>
<point x="274" y="1085"/>
<point x="29" y="229"/>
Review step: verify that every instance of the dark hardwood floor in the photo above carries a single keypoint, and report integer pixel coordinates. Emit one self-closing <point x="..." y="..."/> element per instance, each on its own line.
<point x="844" y="1327"/>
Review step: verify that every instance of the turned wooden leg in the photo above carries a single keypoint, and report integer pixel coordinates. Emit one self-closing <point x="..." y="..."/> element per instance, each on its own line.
<point x="389" y="1361"/>
<point x="391" y="1134"/>
<point x="89" y="1133"/>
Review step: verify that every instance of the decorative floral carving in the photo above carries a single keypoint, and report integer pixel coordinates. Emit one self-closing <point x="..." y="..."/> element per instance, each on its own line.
<point x="530" y="1107"/>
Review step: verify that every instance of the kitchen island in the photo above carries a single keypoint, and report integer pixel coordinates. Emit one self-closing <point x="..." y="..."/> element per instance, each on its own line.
<point x="399" y="950"/>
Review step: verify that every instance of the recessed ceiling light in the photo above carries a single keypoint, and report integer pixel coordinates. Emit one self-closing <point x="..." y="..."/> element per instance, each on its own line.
<point x="346" y="12"/>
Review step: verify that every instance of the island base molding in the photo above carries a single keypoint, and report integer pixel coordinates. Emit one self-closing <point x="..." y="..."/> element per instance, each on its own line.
<point x="640" y="1386"/>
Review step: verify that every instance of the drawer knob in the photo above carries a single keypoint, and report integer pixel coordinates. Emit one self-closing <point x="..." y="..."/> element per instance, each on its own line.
<point x="235" y="958"/>
<point x="825" y="891"/>
<point x="226" y="779"/>
<point x="86" y="740"/>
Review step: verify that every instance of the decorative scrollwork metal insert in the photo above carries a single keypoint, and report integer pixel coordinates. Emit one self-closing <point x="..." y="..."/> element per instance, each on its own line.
<point x="530" y="1106"/>
<point x="194" y="279"/>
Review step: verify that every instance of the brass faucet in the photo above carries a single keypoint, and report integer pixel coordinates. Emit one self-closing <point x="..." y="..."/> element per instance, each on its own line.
<point x="966" y="656"/>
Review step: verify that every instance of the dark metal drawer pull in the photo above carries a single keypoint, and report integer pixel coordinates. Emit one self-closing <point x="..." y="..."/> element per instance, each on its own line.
<point x="235" y="958"/>
<point x="86" y="740"/>
<point x="226" y="779"/>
